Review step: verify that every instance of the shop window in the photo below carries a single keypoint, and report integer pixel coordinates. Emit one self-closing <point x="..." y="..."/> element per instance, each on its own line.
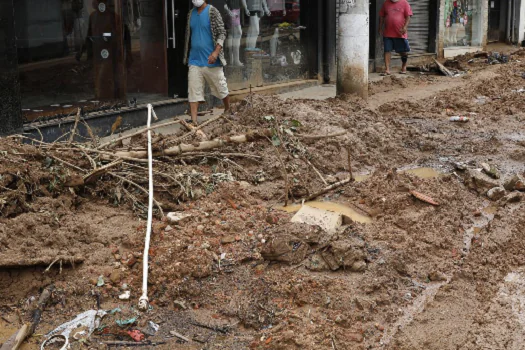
<point x="463" y="23"/>
<point x="264" y="44"/>
<point x="94" y="54"/>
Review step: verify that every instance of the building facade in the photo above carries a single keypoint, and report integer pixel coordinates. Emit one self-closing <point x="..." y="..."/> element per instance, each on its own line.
<point x="112" y="57"/>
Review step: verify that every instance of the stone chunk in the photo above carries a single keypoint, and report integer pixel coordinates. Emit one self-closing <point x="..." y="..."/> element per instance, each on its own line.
<point x="327" y="220"/>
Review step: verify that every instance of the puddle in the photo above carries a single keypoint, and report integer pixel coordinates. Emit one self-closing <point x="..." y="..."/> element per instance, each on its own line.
<point x="330" y="206"/>
<point x="423" y="173"/>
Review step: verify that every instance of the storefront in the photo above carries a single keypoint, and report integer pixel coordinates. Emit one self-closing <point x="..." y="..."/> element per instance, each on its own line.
<point x="464" y="26"/>
<point x="104" y="55"/>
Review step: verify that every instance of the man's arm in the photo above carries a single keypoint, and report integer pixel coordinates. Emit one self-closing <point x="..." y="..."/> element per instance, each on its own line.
<point x="220" y="40"/>
<point x="405" y="27"/>
<point x="381" y="25"/>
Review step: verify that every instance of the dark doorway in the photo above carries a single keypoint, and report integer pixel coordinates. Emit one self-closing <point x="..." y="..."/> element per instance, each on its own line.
<point x="176" y="15"/>
<point x="494" y="32"/>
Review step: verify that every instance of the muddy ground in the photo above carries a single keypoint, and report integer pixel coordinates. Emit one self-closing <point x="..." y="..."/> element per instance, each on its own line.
<point x="237" y="274"/>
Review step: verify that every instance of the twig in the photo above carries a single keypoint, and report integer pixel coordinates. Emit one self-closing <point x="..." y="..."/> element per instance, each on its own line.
<point x="131" y="343"/>
<point x="215" y="329"/>
<point x="74" y="130"/>
<point x="285" y="173"/>
<point x="180" y="336"/>
<point x="66" y="163"/>
<point x="98" y="172"/>
<point x="140" y="188"/>
<point x="240" y="155"/>
<point x="206" y="123"/>
<point x="90" y="132"/>
<point x="318" y="137"/>
<point x="329" y="188"/>
<point x="349" y="162"/>
<point x="190" y="127"/>
<point x="137" y="133"/>
<point x="82" y="149"/>
<point x="317" y="171"/>
<point x="50" y="265"/>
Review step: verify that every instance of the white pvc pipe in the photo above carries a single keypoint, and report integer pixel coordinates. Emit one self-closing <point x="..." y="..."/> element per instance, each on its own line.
<point x="144" y="301"/>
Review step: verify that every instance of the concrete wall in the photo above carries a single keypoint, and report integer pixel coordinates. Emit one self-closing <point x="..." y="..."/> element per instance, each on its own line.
<point x="10" y="107"/>
<point x="521" y="21"/>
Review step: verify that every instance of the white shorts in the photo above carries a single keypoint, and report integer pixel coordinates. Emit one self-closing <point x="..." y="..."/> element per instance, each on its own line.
<point x="215" y="78"/>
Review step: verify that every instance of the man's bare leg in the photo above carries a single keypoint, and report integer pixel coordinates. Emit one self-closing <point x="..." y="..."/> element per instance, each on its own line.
<point x="226" y="102"/>
<point x="194" y="108"/>
<point x="388" y="56"/>
<point x="404" y="60"/>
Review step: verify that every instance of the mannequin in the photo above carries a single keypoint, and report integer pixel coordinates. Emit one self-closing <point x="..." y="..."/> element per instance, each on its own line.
<point x="255" y="9"/>
<point x="233" y="42"/>
<point x="274" y="42"/>
<point x="277" y="6"/>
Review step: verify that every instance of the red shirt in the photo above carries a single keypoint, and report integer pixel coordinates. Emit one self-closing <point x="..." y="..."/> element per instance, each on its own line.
<point x="395" y="14"/>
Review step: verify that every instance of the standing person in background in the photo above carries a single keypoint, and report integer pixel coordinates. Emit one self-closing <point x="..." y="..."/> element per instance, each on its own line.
<point x="394" y="19"/>
<point x="205" y="35"/>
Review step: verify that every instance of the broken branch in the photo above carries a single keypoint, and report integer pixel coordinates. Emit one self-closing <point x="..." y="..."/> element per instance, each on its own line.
<point x="318" y="137"/>
<point x="329" y="188"/>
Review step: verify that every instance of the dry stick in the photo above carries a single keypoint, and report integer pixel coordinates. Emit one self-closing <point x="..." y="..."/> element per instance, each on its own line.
<point x="329" y="188"/>
<point x="200" y="146"/>
<point x="286" y="185"/>
<point x="140" y="188"/>
<point x="90" y="132"/>
<point x="318" y="137"/>
<point x="206" y="123"/>
<point x="98" y="172"/>
<point x="74" y="130"/>
<point x="190" y="127"/>
<point x="349" y="161"/>
<point x="137" y="133"/>
<point x="217" y="154"/>
<point x="67" y="163"/>
<point x="317" y="171"/>
<point x="81" y="149"/>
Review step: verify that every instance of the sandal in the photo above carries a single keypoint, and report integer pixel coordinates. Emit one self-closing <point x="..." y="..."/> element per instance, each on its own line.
<point x="403" y="72"/>
<point x="385" y="74"/>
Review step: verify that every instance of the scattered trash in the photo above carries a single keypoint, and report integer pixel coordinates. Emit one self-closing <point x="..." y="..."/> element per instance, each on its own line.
<point x="100" y="281"/>
<point x="127" y="322"/>
<point x="180" y="336"/>
<point x="519" y="90"/>
<point x="136" y="335"/>
<point x="459" y="118"/>
<point x="181" y="304"/>
<point x="153" y="327"/>
<point x="125" y="296"/>
<point x="89" y="320"/>
<point x="424" y="198"/>
<point x="54" y="339"/>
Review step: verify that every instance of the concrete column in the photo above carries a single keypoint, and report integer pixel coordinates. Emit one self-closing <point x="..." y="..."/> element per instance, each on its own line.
<point x="353" y="47"/>
<point x="11" y="110"/>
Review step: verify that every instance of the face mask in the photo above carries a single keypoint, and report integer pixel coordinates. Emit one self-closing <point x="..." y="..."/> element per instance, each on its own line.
<point x="197" y="3"/>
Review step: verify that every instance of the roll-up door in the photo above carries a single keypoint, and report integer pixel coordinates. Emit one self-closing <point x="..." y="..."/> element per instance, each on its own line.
<point x="419" y="28"/>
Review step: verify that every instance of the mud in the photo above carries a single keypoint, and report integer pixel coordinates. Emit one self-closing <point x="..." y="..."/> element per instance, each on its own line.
<point x="414" y="276"/>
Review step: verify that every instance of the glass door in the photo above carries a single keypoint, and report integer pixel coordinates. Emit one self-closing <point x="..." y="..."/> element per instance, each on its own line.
<point x="94" y="54"/>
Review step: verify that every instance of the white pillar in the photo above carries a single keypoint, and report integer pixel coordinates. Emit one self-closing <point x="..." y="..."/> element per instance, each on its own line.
<point x="353" y="48"/>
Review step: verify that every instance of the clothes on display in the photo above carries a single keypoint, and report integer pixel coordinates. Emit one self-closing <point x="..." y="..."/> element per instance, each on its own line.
<point x="233" y="41"/>
<point x="277" y="5"/>
<point x="255" y="9"/>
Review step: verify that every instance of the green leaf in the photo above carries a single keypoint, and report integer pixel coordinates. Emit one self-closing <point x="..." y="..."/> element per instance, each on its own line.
<point x="296" y="123"/>
<point x="275" y="140"/>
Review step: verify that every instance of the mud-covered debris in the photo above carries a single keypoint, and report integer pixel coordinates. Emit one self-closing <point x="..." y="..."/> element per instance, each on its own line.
<point x="329" y="221"/>
<point x="424" y="198"/>
<point x="490" y="170"/>
<point x="496" y="193"/>
<point x="437" y="276"/>
<point x="515" y="183"/>
<point x="177" y="217"/>
<point x="125" y="296"/>
<point x="480" y="182"/>
<point x="287" y="249"/>
<point x="347" y="254"/>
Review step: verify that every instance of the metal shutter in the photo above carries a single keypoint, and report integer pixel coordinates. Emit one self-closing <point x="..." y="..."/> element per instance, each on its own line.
<point x="418" y="30"/>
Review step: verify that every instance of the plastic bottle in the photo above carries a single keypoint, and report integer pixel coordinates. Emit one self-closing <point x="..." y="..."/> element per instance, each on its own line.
<point x="459" y="118"/>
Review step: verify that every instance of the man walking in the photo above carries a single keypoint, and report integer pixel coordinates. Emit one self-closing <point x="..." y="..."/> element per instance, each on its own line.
<point x="205" y="35"/>
<point x="394" y="19"/>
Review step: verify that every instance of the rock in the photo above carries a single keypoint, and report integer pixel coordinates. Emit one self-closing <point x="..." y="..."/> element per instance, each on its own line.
<point x="115" y="277"/>
<point x="379" y="327"/>
<point x="480" y="182"/>
<point x="131" y="261"/>
<point x="437" y="276"/>
<point x="200" y="228"/>
<point x="327" y="220"/>
<point x="460" y="166"/>
<point x="168" y="228"/>
<point x="496" y="193"/>
<point x="93" y="281"/>
<point x="228" y="239"/>
<point x="490" y="170"/>
<point x="117" y="257"/>
<point x="177" y="217"/>
<point x="358" y="266"/>
<point x="513" y="197"/>
<point x="515" y="183"/>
